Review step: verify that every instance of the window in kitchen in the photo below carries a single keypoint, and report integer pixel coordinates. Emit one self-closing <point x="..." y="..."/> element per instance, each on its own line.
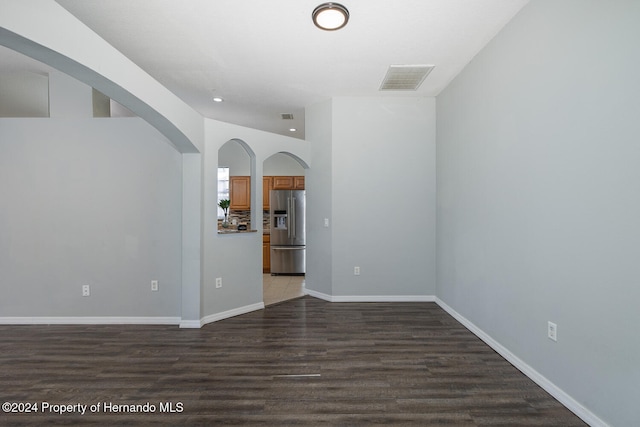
<point x="223" y="188"/>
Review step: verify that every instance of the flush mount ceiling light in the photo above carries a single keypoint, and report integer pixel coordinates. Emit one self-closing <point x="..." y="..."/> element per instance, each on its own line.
<point x="218" y="99"/>
<point x="330" y="16"/>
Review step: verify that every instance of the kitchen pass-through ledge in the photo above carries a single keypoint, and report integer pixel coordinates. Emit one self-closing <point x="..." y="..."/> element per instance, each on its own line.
<point x="229" y="231"/>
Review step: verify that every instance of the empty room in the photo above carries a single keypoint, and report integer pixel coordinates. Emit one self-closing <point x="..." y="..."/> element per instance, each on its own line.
<point x="446" y="231"/>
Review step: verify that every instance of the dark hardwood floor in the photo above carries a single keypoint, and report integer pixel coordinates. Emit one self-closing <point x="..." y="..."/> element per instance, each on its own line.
<point x="301" y="362"/>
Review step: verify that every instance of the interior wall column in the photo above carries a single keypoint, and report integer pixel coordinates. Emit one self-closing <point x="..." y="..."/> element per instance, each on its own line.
<point x="191" y="239"/>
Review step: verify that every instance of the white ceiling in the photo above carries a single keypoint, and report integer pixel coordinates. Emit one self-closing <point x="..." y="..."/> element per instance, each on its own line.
<point x="266" y="57"/>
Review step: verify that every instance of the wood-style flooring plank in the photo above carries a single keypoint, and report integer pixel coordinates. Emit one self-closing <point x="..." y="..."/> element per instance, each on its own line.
<point x="301" y="362"/>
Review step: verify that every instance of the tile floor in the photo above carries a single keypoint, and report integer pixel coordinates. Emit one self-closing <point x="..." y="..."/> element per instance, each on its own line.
<point x="281" y="288"/>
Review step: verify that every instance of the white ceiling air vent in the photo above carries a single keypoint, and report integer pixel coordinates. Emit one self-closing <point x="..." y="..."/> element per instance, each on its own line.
<point x="405" y="77"/>
<point x="286" y="116"/>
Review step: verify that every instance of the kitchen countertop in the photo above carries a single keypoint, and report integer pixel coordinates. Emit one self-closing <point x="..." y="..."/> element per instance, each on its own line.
<point x="234" y="231"/>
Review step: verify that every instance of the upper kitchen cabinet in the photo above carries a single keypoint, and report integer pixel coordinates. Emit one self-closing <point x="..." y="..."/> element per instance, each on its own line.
<point x="282" y="182"/>
<point x="240" y="192"/>
<point x="281" y="171"/>
<point x="267" y="186"/>
<point x="288" y="182"/>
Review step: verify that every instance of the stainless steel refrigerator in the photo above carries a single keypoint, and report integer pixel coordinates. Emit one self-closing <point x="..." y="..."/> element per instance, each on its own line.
<point x="288" y="237"/>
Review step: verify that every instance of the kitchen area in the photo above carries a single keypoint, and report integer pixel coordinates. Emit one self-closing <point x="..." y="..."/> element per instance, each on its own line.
<point x="283" y="216"/>
<point x="284" y="238"/>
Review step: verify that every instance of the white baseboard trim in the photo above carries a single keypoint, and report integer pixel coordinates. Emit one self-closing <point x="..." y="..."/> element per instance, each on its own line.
<point x="568" y="401"/>
<point x="231" y="313"/>
<point x="34" y="320"/>
<point x="383" y="298"/>
<point x="193" y="324"/>
<point x="371" y="298"/>
<point x="108" y="320"/>
<point x="318" y="295"/>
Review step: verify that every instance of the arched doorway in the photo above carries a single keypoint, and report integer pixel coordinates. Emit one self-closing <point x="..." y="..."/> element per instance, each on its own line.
<point x="283" y="230"/>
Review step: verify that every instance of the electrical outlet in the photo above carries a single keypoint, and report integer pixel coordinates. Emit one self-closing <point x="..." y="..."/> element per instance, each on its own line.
<point x="552" y="331"/>
<point x="326" y="222"/>
<point x="154" y="285"/>
<point x="218" y="282"/>
<point x="356" y="271"/>
<point x="86" y="290"/>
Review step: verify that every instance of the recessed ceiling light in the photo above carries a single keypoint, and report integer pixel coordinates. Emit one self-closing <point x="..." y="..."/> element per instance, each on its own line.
<point x="292" y="130"/>
<point x="218" y="99"/>
<point x="330" y="16"/>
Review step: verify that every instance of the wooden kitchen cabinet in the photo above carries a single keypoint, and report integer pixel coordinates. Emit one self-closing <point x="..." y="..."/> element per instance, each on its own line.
<point x="282" y="182"/>
<point x="267" y="186"/>
<point x="266" y="253"/>
<point x="288" y="182"/>
<point x="240" y="192"/>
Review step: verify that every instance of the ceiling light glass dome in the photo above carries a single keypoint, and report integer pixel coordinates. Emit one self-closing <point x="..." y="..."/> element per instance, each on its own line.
<point x="330" y="16"/>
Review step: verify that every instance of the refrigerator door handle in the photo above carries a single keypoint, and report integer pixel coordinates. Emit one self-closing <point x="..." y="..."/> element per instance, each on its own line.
<point x="294" y="219"/>
<point x="289" y="217"/>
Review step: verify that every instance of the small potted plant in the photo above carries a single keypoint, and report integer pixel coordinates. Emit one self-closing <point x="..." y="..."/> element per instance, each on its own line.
<point x="224" y="205"/>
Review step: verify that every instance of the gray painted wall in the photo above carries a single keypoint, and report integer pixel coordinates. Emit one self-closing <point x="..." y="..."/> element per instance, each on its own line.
<point x="318" y="184"/>
<point x="282" y="165"/>
<point x="24" y="94"/>
<point x="191" y="237"/>
<point x="377" y="150"/>
<point x="538" y="199"/>
<point x="88" y="201"/>
<point x="68" y="97"/>
<point x="384" y="149"/>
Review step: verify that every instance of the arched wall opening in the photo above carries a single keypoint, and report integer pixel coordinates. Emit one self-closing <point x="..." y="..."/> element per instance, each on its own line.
<point x="236" y="172"/>
<point x="284" y="207"/>
<point x="35" y="32"/>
